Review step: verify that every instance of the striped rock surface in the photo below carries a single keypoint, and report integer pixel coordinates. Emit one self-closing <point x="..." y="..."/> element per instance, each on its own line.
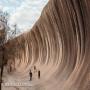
<point x="59" y="46"/>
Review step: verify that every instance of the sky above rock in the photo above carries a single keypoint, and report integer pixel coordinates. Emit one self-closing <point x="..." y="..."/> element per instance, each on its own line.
<point x="24" y="13"/>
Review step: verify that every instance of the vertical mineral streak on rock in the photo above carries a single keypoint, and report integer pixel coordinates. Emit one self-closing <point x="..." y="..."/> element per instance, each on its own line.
<point x="58" y="44"/>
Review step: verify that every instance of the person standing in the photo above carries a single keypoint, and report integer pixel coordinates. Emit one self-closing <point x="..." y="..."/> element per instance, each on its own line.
<point x="30" y="73"/>
<point x="35" y="70"/>
<point x="39" y="74"/>
<point x="34" y="67"/>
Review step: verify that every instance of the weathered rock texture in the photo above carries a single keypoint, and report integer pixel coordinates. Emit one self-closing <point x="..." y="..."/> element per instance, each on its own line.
<point x="58" y="44"/>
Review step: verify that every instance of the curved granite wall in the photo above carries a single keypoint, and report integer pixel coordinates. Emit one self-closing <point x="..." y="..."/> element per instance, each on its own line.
<point x="58" y="45"/>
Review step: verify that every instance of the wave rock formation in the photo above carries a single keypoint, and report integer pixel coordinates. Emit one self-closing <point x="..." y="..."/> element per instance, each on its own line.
<point x="58" y="44"/>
